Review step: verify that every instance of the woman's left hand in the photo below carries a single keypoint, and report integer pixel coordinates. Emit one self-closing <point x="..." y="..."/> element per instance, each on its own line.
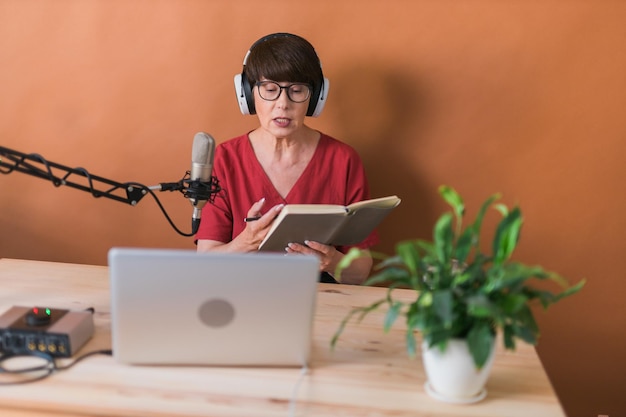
<point x="329" y="256"/>
<point x="356" y="273"/>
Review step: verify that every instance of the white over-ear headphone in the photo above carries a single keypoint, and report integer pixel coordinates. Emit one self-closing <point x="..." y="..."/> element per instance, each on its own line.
<point x="245" y="97"/>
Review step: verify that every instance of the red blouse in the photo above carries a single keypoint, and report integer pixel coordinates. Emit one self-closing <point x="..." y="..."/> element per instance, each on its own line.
<point x="335" y="175"/>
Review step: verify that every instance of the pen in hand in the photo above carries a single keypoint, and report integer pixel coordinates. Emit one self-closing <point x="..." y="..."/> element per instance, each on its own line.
<point x="275" y="209"/>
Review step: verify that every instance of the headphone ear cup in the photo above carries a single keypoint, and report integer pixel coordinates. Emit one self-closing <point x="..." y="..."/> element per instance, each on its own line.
<point x="245" y="98"/>
<point x="319" y="100"/>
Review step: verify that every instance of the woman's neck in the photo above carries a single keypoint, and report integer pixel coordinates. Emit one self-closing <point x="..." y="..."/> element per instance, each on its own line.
<point x="291" y="149"/>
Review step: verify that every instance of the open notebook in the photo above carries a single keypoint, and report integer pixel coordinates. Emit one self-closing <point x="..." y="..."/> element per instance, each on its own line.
<point x="173" y="307"/>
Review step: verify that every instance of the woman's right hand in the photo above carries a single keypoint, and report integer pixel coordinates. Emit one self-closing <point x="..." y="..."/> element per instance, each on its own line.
<point x="257" y="226"/>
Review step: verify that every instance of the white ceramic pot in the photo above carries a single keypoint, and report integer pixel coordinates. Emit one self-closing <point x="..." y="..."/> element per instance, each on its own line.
<point x="452" y="375"/>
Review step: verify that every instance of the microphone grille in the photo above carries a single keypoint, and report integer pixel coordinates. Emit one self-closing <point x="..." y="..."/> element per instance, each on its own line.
<point x="203" y="148"/>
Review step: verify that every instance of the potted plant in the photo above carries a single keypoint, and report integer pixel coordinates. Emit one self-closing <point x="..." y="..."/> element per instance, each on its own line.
<point x="463" y="296"/>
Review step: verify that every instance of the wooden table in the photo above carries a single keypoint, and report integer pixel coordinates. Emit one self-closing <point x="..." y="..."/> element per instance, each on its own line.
<point x="368" y="374"/>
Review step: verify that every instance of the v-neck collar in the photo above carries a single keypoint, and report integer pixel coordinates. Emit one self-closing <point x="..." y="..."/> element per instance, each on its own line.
<point x="267" y="183"/>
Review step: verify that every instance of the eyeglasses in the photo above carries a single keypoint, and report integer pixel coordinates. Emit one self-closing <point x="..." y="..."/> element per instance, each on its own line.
<point x="297" y="92"/>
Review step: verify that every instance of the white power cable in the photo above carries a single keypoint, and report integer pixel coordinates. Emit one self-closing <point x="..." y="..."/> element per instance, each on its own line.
<point x="304" y="371"/>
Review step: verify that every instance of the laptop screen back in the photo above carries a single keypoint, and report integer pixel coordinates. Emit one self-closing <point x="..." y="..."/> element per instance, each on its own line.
<point x="173" y="306"/>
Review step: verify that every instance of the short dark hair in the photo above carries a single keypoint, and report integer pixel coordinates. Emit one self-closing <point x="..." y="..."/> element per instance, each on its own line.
<point x="284" y="57"/>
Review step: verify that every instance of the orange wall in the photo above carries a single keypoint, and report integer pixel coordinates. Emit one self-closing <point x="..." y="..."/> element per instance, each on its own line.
<point x="525" y="98"/>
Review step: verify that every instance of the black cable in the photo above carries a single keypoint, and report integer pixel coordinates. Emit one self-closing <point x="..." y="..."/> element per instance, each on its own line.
<point x="108" y="352"/>
<point x="167" y="217"/>
<point x="48" y="367"/>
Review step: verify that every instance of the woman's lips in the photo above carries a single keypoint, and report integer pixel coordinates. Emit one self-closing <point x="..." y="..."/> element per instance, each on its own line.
<point x="282" y="121"/>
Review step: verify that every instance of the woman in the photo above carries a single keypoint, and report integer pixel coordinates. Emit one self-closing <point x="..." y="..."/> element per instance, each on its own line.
<point x="283" y="161"/>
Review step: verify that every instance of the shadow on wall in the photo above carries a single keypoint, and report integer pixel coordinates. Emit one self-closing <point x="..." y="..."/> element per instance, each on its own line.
<point x="378" y="111"/>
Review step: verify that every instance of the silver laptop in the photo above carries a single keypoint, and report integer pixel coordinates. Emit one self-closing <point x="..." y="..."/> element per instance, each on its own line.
<point x="180" y="307"/>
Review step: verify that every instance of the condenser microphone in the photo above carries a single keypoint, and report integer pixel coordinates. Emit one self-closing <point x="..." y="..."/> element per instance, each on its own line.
<point x="202" y="154"/>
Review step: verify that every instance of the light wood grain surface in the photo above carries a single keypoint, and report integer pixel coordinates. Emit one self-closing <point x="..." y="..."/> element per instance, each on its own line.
<point x="368" y="374"/>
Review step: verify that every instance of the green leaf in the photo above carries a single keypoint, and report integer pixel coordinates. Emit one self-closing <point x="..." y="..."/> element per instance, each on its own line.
<point x="526" y="334"/>
<point x="507" y="236"/>
<point x="437" y="336"/>
<point x="443" y="238"/>
<point x="442" y="304"/>
<point x="512" y="303"/>
<point x="464" y="245"/>
<point x="425" y="299"/>
<point x="525" y="327"/>
<point x="391" y="261"/>
<point x="408" y="253"/>
<point x="477" y="225"/>
<point x="480" y="341"/>
<point x="462" y="279"/>
<point x="509" y="337"/>
<point x="412" y="325"/>
<point x="411" y="344"/>
<point x="503" y="209"/>
<point x="413" y="317"/>
<point x="571" y="290"/>
<point x="359" y="310"/>
<point x="476" y="268"/>
<point x="511" y="276"/>
<point x="392" y="274"/>
<point x="392" y="315"/>
<point x="480" y="306"/>
<point x="545" y="297"/>
<point x="427" y="247"/>
<point x="526" y="316"/>
<point x="453" y="198"/>
<point x="353" y="253"/>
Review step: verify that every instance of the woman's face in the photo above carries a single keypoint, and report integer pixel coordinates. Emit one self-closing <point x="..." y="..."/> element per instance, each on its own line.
<point x="281" y="117"/>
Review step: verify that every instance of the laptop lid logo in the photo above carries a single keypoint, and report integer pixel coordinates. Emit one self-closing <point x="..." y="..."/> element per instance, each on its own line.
<point x="216" y="312"/>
